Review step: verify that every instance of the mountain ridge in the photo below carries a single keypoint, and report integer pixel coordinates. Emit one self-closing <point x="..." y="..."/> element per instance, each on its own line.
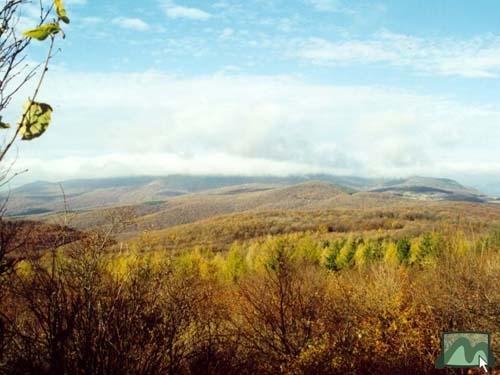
<point x="85" y="194"/>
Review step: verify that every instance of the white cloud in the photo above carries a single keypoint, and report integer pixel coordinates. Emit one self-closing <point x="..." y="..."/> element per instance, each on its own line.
<point x="131" y="23"/>
<point x="151" y="123"/>
<point x="137" y="164"/>
<point x="227" y="32"/>
<point x="474" y="58"/>
<point x="322" y="51"/>
<point x="326" y="5"/>
<point x="91" y="20"/>
<point x="172" y="10"/>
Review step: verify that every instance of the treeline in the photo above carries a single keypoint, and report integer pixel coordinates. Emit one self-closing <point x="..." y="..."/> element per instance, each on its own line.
<point x="220" y="232"/>
<point x="292" y="304"/>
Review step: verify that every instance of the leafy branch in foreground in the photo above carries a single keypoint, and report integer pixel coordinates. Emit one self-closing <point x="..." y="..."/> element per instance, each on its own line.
<point x="14" y="74"/>
<point x="36" y="115"/>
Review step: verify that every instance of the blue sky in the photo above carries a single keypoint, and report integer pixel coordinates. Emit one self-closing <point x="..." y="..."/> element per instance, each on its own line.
<point x="375" y="88"/>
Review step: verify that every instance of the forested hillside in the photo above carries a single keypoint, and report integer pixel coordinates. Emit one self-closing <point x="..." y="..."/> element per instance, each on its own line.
<point x="83" y="195"/>
<point x="312" y="292"/>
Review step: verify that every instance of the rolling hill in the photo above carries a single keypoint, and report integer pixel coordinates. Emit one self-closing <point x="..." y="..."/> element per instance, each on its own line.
<point x="82" y="195"/>
<point x="425" y="188"/>
<point x="403" y="219"/>
<point x="181" y="212"/>
<point x="257" y="197"/>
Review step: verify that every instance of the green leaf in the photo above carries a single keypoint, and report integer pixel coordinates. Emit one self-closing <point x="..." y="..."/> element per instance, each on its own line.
<point x="61" y="12"/>
<point x="43" y="31"/>
<point x="36" y="120"/>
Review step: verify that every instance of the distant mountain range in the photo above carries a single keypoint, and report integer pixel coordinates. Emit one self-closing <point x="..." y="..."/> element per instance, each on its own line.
<point x="426" y="188"/>
<point x="45" y="197"/>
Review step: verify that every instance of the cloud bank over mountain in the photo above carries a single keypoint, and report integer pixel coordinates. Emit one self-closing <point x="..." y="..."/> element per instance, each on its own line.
<point x="152" y="123"/>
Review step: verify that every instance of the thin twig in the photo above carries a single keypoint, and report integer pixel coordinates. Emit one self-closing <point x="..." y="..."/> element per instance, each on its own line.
<point x="32" y="100"/>
<point x="9" y="179"/>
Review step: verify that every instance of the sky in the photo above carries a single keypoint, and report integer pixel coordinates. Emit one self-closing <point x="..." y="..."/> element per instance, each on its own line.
<point x="272" y="87"/>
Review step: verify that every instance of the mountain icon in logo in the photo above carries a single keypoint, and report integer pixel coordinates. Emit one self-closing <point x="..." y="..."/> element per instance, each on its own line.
<point x="465" y="350"/>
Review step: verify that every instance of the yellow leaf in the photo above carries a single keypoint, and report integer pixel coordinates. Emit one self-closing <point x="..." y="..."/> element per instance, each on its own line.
<point x="43" y="31"/>
<point x="61" y="11"/>
<point x="36" y="120"/>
